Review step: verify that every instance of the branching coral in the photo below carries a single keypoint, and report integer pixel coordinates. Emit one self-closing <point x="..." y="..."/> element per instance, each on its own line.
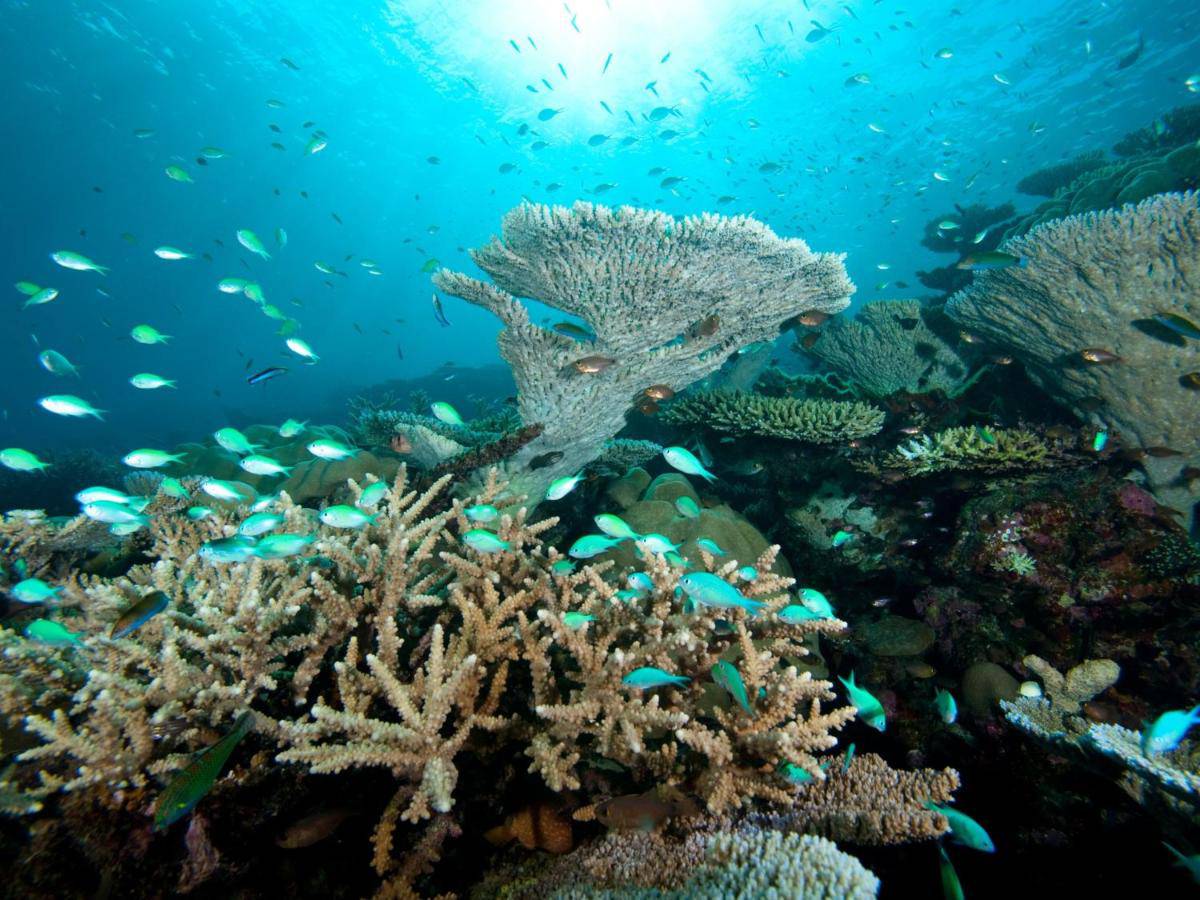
<point x="993" y="451"/>
<point x="812" y="421"/>
<point x="1088" y="280"/>
<point x="1056" y="713"/>
<point x="889" y="347"/>
<point x="669" y="300"/>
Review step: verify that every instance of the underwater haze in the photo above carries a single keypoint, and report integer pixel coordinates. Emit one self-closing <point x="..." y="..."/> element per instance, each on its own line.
<point x="568" y="448"/>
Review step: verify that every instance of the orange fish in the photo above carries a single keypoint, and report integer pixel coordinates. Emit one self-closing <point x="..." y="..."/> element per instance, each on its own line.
<point x="659" y="392"/>
<point x="539" y="826"/>
<point x="400" y="444"/>
<point x="813" y="319"/>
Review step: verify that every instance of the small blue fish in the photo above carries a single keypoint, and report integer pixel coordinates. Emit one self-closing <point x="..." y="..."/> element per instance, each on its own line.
<point x="482" y="512"/>
<point x="841" y="539"/>
<point x="640" y="581"/>
<point x="1165" y="733"/>
<point x="592" y="545"/>
<point x="946" y="707"/>
<point x="951" y="886"/>
<point x="1191" y="863"/>
<point x="562" y="567"/>
<point x="648" y="677"/>
<point x="687" y="507"/>
<point x="848" y="758"/>
<point x="797" y="774"/>
<point x="726" y="675"/>
<point x="685" y="461"/>
<point x="796" y="614"/>
<point x="576" y="620"/>
<point x="711" y="546"/>
<point x="707" y="589"/>
<point x="816" y="602"/>
<point x="1100" y="441"/>
<point x="657" y="543"/>
<point x="615" y="526"/>
<point x="483" y="541"/>
<point x="964" y="830"/>
<point x="869" y="709"/>
<point x="747" y="573"/>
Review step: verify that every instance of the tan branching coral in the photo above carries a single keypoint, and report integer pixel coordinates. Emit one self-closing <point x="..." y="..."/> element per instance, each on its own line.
<point x="1096" y="281"/>
<point x="668" y="300"/>
<point x="872" y="803"/>
<point x="994" y="451"/>
<point x="812" y="421"/>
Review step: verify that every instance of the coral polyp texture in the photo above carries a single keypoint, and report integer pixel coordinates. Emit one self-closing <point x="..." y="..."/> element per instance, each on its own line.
<point x="887" y="348"/>
<point x="746" y="414"/>
<point x="667" y="300"/>
<point x="1088" y="282"/>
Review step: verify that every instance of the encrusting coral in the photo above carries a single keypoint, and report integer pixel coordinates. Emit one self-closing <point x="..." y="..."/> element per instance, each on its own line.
<point x="1087" y="283"/>
<point x="812" y="421"/>
<point x="888" y="347"/>
<point x="668" y="300"/>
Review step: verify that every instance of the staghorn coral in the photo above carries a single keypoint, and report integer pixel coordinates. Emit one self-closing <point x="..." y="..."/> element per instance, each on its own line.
<point x="1011" y="450"/>
<point x="1088" y="280"/>
<point x="812" y="421"/>
<point x="889" y="347"/>
<point x="696" y="290"/>
<point x="1048" y="181"/>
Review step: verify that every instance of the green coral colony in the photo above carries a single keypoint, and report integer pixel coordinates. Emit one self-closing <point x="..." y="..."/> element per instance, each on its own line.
<point x="736" y="582"/>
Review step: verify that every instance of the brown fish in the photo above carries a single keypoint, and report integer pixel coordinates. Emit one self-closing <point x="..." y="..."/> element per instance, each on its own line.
<point x="706" y="327"/>
<point x="1162" y="452"/>
<point x="546" y="459"/>
<point x="1191" y="380"/>
<point x="400" y="444"/>
<point x="1002" y="360"/>
<point x="809" y="340"/>
<point x="539" y="826"/>
<point x="659" y="392"/>
<point x="590" y="365"/>
<point x="969" y="338"/>
<point x="1098" y="357"/>
<point x="1190" y="473"/>
<point x="642" y="812"/>
<point x="813" y="319"/>
<point x="647" y="407"/>
<point x="312" y="829"/>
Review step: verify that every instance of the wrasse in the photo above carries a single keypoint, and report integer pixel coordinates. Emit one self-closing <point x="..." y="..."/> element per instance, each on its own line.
<point x="266" y="375"/>
<point x="196" y="779"/>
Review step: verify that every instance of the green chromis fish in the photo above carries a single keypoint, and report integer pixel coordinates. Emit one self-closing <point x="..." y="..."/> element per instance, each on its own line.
<point x="446" y="413"/>
<point x="148" y="334"/>
<point x="291" y="428"/>
<point x="615" y="526"/>
<point x="281" y="546"/>
<point x="148" y="381"/>
<point x="640" y="581"/>
<point x="1191" y="863"/>
<point x="841" y="539"/>
<point x="946" y="707"/>
<point x="816" y="602"/>
<point x="707" y="589"/>
<point x="562" y="568"/>
<point x="180" y="174"/>
<point x="685" y="461"/>
<point x="199" y="513"/>
<point x="256" y="464"/>
<point x="483" y="541"/>
<point x="576" y="620"/>
<point x="345" y="517"/>
<point x="236" y="549"/>
<point x="300" y="347"/>
<point x="649" y="677"/>
<point x="869" y="709"/>
<point x="710" y="546"/>
<point x="21" y="460"/>
<point x="482" y="512"/>
<point x="657" y="543"/>
<point x="33" y="590"/>
<point x="69" y="259"/>
<point x="747" y="573"/>
<point x="687" y="507"/>
<point x="1165" y="732"/>
<point x="560" y="487"/>
<point x="963" y="829"/>
<point x="372" y="494"/>
<point x="69" y="405"/>
<point x="173" y="487"/>
<point x="327" y="448"/>
<point x="188" y="786"/>
<point x="797" y="774"/>
<point x="45" y="631"/>
<point x="113" y="513"/>
<point x="592" y="545"/>
<point x="726" y="675"/>
<point x="252" y="242"/>
<point x="259" y="524"/>
<point x="1100" y="441"/>
<point x="951" y="886"/>
<point x="147" y="458"/>
<point x="139" y="614"/>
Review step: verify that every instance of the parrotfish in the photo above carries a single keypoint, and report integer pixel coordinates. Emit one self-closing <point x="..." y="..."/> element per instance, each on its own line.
<point x="682" y="459"/>
<point x="727" y="676"/>
<point x="869" y="709"/>
<point x="963" y="829"/>
<point x="188" y="786"/>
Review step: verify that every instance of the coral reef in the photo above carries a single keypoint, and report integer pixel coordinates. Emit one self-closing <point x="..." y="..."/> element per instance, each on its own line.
<point x="1116" y="184"/>
<point x="967" y="222"/>
<point x="1055" y="714"/>
<point x="992" y="451"/>
<point x="622" y="454"/>
<point x="1048" y="181"/>
<point x="697" y="289"/>
<point x="1174" y="128"/>
<point x="888" y="347"/>
<point x="812" y="421"/>
<point x="1087" y="279"/>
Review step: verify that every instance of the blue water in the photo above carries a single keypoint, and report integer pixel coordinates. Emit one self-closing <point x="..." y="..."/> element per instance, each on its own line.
<point x="393" y="84"/>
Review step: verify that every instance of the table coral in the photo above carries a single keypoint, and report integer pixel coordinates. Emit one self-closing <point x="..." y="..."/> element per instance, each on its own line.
<point x="695" y="290"/>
